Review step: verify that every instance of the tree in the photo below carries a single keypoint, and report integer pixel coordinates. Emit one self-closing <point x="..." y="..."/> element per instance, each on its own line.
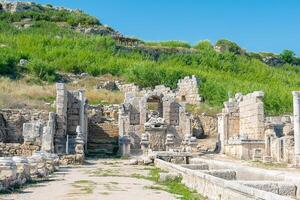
<point x="204" y="45"/>
<point x="226" y="45"/>
<point x="288" y="56"/>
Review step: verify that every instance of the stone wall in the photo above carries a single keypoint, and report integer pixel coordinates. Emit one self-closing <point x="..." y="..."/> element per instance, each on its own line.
<point x="168" y="117"/>
<point x="243" y="150"/>
<point x="214" y="187"/>
<point x="71" y="113"/>
<point x="188" y="91"/>
<point x="12" y="120"/>
<point x="17" y="149"/>
<point x="251" y="110"/>
<point x="3" y="129"/>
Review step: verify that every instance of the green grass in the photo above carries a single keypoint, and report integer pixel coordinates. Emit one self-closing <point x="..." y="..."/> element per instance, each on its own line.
<point x="173" y="186"/>
<point x="51" y="49"/>
<point x="271" y="165"/>
<point x="85" y="186"/>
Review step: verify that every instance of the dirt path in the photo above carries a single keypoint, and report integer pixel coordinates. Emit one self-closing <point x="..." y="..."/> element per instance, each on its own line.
<point x="102" y="179"/>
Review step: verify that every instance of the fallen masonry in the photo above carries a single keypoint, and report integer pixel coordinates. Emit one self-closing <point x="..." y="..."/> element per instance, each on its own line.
<point x="17" y="171"/>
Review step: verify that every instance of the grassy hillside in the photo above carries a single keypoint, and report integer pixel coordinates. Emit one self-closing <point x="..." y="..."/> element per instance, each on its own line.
<point x="50" y="48"/>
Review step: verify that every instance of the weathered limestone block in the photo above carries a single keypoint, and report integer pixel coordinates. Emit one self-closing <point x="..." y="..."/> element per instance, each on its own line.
<point x="8" y="172"/>
<point x="38" y="165"/>
<point x="48" y="134"/>
<point x="23" y="170"/>
<point x="223" y="173"/>
<point x="32" y="132"/>
<point x="202" y="166"/>
<point x="281" y="188"/>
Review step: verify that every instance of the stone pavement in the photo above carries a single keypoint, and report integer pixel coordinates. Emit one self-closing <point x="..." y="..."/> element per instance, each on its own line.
<point x="99" y="179"/>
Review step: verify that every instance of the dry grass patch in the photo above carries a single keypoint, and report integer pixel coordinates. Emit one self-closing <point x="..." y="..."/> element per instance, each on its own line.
<point x="23" y="93"/>
<point x="20" y="94"/>
<point x="104" y="96"/>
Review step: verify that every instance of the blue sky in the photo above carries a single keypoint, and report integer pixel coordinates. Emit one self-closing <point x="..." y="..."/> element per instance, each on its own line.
<point x="256" y="25"/>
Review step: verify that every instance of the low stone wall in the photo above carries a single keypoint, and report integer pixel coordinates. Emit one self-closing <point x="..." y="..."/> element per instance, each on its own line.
<point x="286" y="189"/>
<point x="217" y="188"/>
<point x="244" y="150"/>
<point x="17" y="149"/>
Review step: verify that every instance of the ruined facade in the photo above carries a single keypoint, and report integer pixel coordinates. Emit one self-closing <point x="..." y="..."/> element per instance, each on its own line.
<point x="245" y="132"/>
<point x="23" y="132"/>
<point x="157" y="114"/>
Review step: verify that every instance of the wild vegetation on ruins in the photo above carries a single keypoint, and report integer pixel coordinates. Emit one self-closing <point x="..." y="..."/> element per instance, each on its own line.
<point x="52" y="46"/>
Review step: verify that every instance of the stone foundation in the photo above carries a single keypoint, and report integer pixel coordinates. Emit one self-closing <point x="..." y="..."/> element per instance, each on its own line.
<point x="17" y="171"/>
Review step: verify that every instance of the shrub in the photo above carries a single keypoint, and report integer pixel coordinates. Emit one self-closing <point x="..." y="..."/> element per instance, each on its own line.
<point x="42" y="70"/>
<point x="204" y="45"/>
<point x="226" y="45"/>
<point x="288" y="56"/>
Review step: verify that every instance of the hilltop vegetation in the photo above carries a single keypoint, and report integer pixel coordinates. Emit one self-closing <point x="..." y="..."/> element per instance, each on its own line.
<point x="51" y="48"/>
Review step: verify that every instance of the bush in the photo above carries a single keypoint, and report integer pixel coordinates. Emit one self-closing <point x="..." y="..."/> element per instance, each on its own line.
<point x="226" y="45"/>
<point x="204" y="45"/>
<point x="42" y="70"/>
<point x="288" y="56"/>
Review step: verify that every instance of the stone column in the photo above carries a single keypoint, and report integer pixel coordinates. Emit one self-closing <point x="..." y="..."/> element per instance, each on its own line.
<point x="296" y="99"/>
<point x="222" y="131"/>
<point x="61" y="111"/>
<point x="48" y="134"/>
<point x="82" y="116"/>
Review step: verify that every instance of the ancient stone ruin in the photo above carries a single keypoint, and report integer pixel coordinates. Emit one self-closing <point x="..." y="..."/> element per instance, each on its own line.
<point x="246" y="133"/>
<point x="157" y="118"/>
<point x="154" y="126"/>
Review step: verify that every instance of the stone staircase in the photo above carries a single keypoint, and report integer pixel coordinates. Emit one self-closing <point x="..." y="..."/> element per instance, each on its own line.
<point x="103" y="140"/>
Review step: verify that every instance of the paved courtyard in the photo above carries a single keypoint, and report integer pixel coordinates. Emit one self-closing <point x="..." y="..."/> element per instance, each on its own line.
<point x="98" y="179"/>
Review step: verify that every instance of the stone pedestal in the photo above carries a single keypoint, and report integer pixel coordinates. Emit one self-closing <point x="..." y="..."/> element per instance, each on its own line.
<point x="145" y="143"/>
<point x="79" y="146"/>
<point x="157" y="139"/>
<point x="124" y="142"/>
<point x="170" y="141"/>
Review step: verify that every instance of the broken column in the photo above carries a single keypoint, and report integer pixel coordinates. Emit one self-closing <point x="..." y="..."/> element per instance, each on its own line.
<point x="145" y="143"/>
<point x="222" y="131"/>
<point x="296" y="100"/>
<point x="48" y="134"/>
